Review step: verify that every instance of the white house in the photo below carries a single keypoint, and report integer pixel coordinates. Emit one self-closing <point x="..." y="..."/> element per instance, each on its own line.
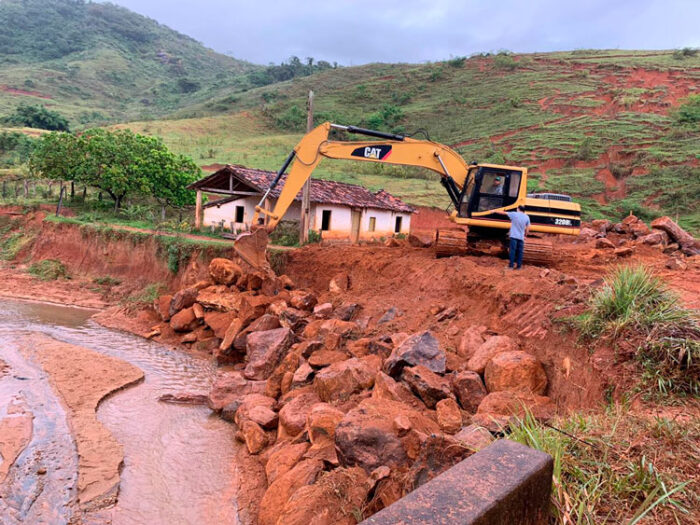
<point x="339" y="211"/>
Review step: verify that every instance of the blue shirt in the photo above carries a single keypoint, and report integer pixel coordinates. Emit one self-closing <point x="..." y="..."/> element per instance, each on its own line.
<point x="518" y="222"/>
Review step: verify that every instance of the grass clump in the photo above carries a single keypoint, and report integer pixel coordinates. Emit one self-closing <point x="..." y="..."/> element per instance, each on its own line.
<point x="145" y="296"/>
<point x="600" y="478"/>
<point x="49" y="270"/>
<point x="635" y="305"/>
<point x="107" y="280"/>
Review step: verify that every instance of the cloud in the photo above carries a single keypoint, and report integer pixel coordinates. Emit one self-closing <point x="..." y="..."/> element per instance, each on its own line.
<point x="363" y="31"/>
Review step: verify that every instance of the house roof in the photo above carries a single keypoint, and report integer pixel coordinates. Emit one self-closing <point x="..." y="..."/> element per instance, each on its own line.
<point x="322" y="191"/>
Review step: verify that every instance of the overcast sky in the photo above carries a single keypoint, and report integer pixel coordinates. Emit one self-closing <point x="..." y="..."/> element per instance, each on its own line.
<point x="362" y="31"/>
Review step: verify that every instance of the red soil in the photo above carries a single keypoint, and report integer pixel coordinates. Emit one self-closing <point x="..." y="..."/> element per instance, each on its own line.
<point x="24" y="92"/>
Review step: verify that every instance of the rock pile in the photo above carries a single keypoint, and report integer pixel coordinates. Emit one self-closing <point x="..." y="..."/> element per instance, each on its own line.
<point x="344" y="417"/>
<point x="624" y="236"/>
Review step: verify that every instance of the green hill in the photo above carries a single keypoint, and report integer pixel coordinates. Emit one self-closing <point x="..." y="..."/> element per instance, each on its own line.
<point x="600" y="125"/>
<point x="97" y="62"/>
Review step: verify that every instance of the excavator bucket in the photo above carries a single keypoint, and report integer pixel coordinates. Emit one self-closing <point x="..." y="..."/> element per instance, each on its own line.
<point x="251" y="247"/>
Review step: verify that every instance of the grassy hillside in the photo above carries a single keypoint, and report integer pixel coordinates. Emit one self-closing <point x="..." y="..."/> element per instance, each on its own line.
<point x="97" y="62"/>
<point x="597" y="124"/>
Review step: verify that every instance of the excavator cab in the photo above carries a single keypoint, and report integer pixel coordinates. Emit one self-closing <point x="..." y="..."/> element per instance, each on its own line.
<point x="489" y="188"/>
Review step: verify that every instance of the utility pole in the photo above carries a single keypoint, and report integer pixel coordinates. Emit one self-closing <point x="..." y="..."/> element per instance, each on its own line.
<point x="305" y="219"/>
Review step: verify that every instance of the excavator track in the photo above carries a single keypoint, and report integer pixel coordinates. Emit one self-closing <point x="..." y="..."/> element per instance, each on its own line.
<point x="451" y="242"/>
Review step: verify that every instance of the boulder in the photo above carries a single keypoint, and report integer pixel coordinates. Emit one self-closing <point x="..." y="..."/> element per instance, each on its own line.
<point x="278" y="493"/>
<point x="283" y="460"/>
<point x="366" y="437"/>
<point x="427" y="385"/>
<point x="392" y="242"/>
<point x="252" y="306"/>
<point x="230" y="386"/>
<point x="437" y="454"/>
<point x="655" y="238"/>
<point x="219" y="322"/>
<point x="321" y="422"/>
<point x="184" y="320"/>
<point x="265" y="350"/>
<point x="302" y="374"/>
<point x="469" y="390"/>
<point x="224" y="271"/>
<point x="323" y="310"/>
<point x="605" y="244"/>
<point x="448" y="415"/>
<point x="253" y="436"/>
<point x="623" y="251"/>
<point x="518" y="371"/>
<point x="489" y="348"/>
<point x="602" y="225"/>
<point x="346" y="311"/>
<point x="302" y="300"/>
<point x="340" y="380"/>
<point x="675" y="263"/>
<point x="419" y="242"/>
<point x="419" y="349"/>
<point x="639" y="229"/>
<point x="391" y="314"/>
<point x="183" y="299"/>
<point x="472" y="338"/>
<point x="335" y="499"/>
<point x="293" y="318"/>
<point x="686" y="241"/>
<point x="288" y="365"/>
<point x="293" y="415"/>
<point x="322" y="358"/>
<point x="474" y="437"/>
<point x="386" y="388"/>
<point x="509" y="403"/>
<point x="219" y="298"/>
<point x="339" y="284"/>
<point x="248" y="402"/>
<point x="162" y="306"/>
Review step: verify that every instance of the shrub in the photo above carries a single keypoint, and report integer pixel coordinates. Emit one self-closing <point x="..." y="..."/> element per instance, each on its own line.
<point x="636" y="305"/>
<point x="457" y="61"/>
<point x="586" y="150"/>
<point x="107" y="280"/>
<point x="503" y="61"/>
<point x="49" y="270"/>
<point x="689" y="111"/>
<point x="686" y="52"/>
<point x="286" y="234"/>
<point x="37" y="117"/>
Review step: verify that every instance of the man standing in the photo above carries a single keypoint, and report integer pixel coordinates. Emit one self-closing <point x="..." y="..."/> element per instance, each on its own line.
<point x="519" y="228"/>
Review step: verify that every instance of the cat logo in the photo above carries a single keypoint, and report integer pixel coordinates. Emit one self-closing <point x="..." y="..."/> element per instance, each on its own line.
<point x="378" y="152"/>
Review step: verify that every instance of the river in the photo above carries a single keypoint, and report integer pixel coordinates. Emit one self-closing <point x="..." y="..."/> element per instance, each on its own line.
<point x="178" y="459"/>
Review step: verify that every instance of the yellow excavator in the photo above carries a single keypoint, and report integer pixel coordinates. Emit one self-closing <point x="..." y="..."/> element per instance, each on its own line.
<point x="480" y="193"/>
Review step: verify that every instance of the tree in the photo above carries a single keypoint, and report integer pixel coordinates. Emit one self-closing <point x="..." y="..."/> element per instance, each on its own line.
<point x="117" y="162"/>
<point x="37" y="117"/>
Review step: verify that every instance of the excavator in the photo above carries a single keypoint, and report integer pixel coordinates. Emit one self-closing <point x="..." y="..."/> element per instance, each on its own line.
<point x="479" y="193"/>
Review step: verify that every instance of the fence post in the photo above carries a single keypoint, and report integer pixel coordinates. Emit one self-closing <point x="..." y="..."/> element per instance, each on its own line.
<point x="60" y="200"/>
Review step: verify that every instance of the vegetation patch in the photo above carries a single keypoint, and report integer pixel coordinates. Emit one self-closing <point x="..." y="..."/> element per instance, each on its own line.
<point x="49" y="270"/>
<point x="635" y="306"/>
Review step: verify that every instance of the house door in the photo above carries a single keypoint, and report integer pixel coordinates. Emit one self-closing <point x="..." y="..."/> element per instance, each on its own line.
<point x="356" y="215"/>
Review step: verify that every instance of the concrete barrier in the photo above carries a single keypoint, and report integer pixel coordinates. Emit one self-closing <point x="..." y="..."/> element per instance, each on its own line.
<point x="504" y="484"/>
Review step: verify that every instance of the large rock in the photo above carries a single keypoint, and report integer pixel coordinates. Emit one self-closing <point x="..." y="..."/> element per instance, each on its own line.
<point x="184" y="320"/>
<point x="219" y="298"/>
<point x="224" y="271"/>
<point x="602" y="225"/>
<point x="492" y="346"/>
<point x="469" y="389"/>
<point x="294" y="413"/>
<point x="688" y="244"/>
<point x="321" y="423"/>
<point x="427" y="385"/>
<point x="279" y="492"/>
<point x="335" y="499"/>
<point x="230" y="386"/>
<point x="474" y="437"/>
<point x="302" y="300"/>
<point x="448" y="415"/>
<point x="340" y="380"/>
<point x="472" y="338"/>
<point x="518" y="371"/>
<point x="252" y="306"/>
<point x="283" y="460"/>
<point x="339" y="284"/>
<point x="498" y="407"/>
<point x="322" y="358"/>
<point x="288" y="365"/>
<point x="253" y="436"/>
<point x="162" y="306"/>
<point x="219" y="322"/>
<point x="419" y="349"/>
<point x="386" y="388"/>
<point x="265" y="350"/>
<point x="368" y="438"/>
<point x="257" y="408"/>
<point x="437" y="454"/>
<point x="183" y="299"/>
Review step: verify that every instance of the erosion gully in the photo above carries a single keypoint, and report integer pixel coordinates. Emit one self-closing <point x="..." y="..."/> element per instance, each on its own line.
<point x="178" y="459"/>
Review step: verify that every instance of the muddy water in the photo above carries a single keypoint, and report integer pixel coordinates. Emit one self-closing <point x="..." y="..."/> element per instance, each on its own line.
<point x="178" y="465"/>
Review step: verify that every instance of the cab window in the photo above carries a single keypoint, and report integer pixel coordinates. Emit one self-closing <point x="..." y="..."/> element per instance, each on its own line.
<point x="499" y="188"/>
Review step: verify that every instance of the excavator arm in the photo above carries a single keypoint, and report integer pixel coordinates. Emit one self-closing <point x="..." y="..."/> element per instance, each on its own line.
<point x="394" y="149"/>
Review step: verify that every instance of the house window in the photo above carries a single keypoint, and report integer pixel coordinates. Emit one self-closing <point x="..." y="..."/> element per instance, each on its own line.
<point x="397" y="228"/>
<point x="325" y="220"/>
<point x="372" y="224"/>
<point x="240" y="212"/>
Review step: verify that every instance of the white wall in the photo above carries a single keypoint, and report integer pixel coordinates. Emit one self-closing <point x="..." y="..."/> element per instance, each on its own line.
<point x="341" y="218"/>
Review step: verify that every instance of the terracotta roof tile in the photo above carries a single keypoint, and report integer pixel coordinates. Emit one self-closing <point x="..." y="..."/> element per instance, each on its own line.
<point x="322" y="191"/>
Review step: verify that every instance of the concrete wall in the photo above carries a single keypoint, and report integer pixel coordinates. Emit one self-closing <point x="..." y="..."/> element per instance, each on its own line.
<point x="341" y="218"/>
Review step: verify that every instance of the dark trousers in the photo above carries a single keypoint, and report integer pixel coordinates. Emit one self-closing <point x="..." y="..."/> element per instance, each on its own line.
<point x="516" y="253"/>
